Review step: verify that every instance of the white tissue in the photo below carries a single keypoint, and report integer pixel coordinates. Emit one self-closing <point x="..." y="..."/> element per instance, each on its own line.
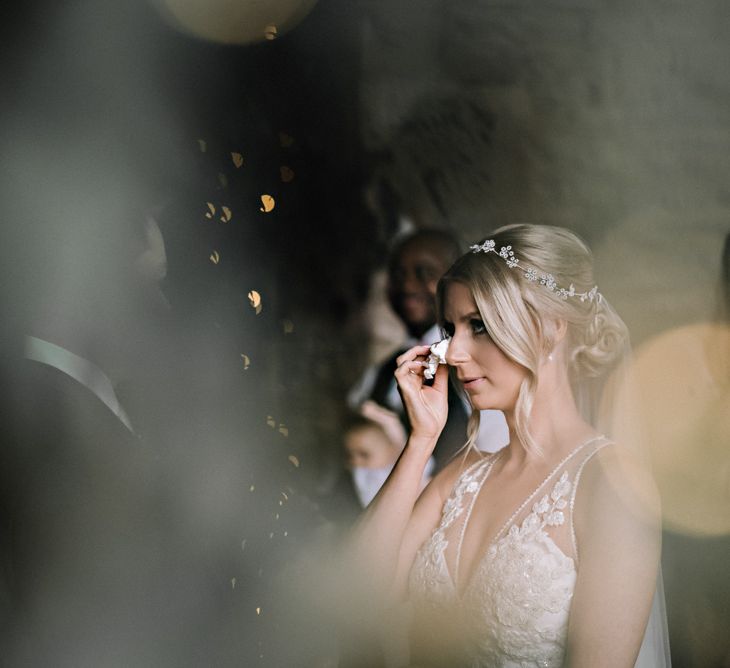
<point x="437" y="356"/>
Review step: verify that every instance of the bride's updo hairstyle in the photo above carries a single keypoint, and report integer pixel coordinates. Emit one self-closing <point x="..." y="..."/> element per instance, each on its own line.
<point x="521" y="315"/>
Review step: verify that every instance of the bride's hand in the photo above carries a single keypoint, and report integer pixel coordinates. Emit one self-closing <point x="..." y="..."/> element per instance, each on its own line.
<point x="427" y="405"/>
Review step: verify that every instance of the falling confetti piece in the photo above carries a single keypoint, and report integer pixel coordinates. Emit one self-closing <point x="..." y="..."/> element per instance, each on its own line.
<point x="288" y="326"/>
<point x="237" y="159"/>
<point x="271" y="535"/>
<point x="223" y="180"/>
<point x="243" y="544"/>
<point x="285" y="140"/>
<point x="286" y="533"/>
<point x="258" y="611"/>
<point x="294" y="460"/>
<point x="284" y="430"/>
<point x="268" y="203"/>
<point x="215" y="257"/>
<point x="276" y="516"/>
<point x="227" y="215"/>
<point x="252" y="488"/>
<point x="270" y="32"/>
<point x="281" y="503"/>
<point x="211" y="211"/>
<point x="233" y="583"/>
<point x="203" y="146"/>
<point x="286" y="498"/>
<point x="246" y="361"/>
<point x="255" y="298"/>
<point x="271" y="422"/>
<point x="287" y="174"/>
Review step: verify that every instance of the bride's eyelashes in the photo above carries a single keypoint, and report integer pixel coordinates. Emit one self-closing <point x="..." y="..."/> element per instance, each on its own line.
<point x="477" y="326"/>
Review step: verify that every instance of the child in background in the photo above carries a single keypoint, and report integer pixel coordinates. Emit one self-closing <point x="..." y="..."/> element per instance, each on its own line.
<point x="373" y="441"/>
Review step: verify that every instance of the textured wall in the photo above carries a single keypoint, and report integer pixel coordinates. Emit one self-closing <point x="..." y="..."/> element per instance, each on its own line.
<point x="608" y="117"/>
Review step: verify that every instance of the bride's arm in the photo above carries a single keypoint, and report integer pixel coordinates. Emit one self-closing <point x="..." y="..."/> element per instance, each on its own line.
<point x="386" y="537"/>
<point x="618" y="531"/>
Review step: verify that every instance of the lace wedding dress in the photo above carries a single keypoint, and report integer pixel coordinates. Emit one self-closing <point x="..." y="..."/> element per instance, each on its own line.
<point x="513" y="610"/>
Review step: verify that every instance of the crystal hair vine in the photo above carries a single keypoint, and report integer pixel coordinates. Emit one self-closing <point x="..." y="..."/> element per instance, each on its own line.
<point x="532" y="275"/>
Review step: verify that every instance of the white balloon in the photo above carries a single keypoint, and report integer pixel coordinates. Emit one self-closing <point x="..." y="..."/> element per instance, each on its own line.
<point x="234" y="21"/>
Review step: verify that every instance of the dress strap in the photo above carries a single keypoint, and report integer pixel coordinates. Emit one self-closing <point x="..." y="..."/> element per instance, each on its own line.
<point x="508" y="523"/>
<point x="576" y="480"/>
<point x="474" y="491"/>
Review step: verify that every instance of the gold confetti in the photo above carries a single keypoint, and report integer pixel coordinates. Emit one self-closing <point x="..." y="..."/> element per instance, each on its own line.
<point x="215" y="257"/>
<point x="258" y="611"/>
<point x="288" y="326"/>
<point x="246" y="361"/>
<point x="237" y="159"/>
<point x="283" y="429"/>
<point x="227" y="215"/>
<point x="285" y="140"/>
<point x="271" y="422"/>
<point x="268" y="203"/>
<point x="233" y="583"/>
<point x="223" y="180"/>
<point x="211" y="211"/>
<point x="287" y="174"/>
<point x="294" y="460"/>
<point x="255" y="298"/>
<point x="203" y="146"/>
<point x="270" y="32"/>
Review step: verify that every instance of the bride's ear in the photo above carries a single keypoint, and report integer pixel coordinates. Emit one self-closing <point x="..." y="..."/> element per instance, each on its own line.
<point x="561" y="329"/>
<point x="555" y="331"/>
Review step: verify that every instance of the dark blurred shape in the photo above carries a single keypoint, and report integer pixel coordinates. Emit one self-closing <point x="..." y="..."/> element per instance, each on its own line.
<point x="436" y="163"/>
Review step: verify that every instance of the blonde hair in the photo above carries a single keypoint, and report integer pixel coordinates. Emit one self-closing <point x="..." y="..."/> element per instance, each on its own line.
<point x="521" y="316"/>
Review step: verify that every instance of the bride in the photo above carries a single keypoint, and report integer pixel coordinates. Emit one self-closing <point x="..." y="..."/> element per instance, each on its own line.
<point x="547" y="552"/>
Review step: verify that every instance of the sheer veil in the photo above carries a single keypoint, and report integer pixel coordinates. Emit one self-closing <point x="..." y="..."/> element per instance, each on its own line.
<point x="611" y="403"/>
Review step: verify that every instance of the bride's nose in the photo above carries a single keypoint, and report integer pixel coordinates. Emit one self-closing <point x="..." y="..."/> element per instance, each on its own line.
<point x="457" y="352"/>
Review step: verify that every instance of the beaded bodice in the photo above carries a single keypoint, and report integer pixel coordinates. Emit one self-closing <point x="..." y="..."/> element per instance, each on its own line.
<point x="513" y="609"/>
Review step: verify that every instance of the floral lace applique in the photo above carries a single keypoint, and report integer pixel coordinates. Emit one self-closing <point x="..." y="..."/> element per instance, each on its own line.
<point x="519" y="598"/>
<point x="430" y="579"/>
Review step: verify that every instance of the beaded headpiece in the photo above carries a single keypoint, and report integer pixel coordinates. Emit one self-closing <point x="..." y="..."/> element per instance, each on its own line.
<point x="532" y="275"/>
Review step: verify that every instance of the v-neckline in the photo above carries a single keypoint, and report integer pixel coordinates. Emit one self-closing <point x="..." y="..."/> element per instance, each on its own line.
<point x="454" y="577"/>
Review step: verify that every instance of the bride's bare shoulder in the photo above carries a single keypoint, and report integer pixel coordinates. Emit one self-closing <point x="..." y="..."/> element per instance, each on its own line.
<point x="616" y="481"/>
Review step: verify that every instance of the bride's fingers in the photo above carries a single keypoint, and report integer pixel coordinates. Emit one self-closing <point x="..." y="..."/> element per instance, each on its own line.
<point x="410" y="367"/>
<point x="441" y="378"/>
<point x="412" y="353"/>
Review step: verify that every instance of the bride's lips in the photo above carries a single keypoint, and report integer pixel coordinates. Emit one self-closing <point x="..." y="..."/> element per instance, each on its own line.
<point x="472" y="383"/>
